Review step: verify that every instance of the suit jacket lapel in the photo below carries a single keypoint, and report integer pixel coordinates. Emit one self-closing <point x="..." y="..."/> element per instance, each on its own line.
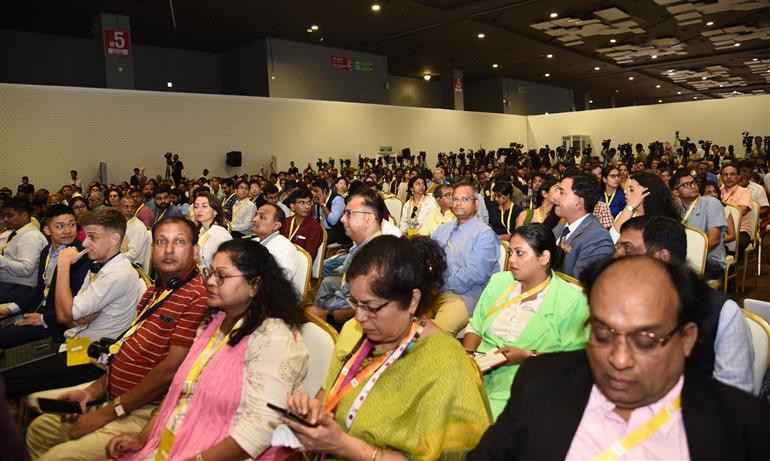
<point x="581" y="228"/>
<point x="699" y="416"/>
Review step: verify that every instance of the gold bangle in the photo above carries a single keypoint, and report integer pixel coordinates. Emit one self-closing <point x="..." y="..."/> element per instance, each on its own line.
<point x="374" y="453"/>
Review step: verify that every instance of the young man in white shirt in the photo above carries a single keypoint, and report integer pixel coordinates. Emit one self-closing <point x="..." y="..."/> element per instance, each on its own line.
<point x="20" y="254"/>
<point x="103" y="307"/>
<point x="137" y="240"/>
<point x="243" y="210"/>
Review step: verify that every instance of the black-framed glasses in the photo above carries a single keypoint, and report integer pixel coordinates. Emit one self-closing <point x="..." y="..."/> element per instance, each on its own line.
<point x="687" y="185"/>
<point x="370" y="310"/>
<point x="219" y="276"/>
<point x="640" y="341"/>
<point x="347" y="213"/>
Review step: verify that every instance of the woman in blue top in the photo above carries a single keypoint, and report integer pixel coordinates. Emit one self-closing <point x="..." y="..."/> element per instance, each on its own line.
<point x="613" y="194"/>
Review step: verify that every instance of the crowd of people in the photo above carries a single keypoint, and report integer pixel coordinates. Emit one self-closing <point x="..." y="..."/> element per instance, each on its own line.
<point x="495" y="306"/>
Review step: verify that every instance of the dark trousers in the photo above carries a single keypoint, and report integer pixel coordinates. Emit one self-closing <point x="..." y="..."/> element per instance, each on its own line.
<point x="49" y="373"/>
<point x="744" y="238"/>
<point x="14" y="335"/>
<point x="10" y="292"/>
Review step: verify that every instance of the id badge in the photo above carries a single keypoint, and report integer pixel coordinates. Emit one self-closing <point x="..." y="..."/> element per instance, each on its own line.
<point x="77" y="352"/>
<point x="166" y="442"/>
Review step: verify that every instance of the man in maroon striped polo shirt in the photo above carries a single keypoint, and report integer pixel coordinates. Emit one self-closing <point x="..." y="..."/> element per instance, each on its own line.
<point x="144" y="359"/>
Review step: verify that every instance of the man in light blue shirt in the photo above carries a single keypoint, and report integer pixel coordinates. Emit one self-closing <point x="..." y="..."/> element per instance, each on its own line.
<point x="706" y="214"/>
<point x="472" y="248"/>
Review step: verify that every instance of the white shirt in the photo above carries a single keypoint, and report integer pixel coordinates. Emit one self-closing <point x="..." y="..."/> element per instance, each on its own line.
<point x="138" y="241"/>
<point x="209" y="242"/>
<point x="243" y="212"/>
<point x="758" y="193"/>
<point x="20" y="257"/>
<point x="424" y="209"/>
<point x="388" y="228"/>
<point x="284" y="253"/>
<point x="114" y="292"/>
<point x="573" y="227"/>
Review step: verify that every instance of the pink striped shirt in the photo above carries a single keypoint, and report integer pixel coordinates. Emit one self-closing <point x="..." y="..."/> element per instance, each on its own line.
<point x="601" y="427"/>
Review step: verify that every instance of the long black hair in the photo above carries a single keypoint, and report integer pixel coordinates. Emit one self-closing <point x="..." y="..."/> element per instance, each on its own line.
<point x="660" y="202"/>
<point x="276" y="297"/>
<point x="540" y="238"/>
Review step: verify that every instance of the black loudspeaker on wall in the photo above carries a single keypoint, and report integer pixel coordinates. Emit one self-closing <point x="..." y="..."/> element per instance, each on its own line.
<point x="234" y="158"/>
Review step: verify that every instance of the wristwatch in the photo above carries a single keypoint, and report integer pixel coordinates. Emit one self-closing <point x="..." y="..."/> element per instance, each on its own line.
<point x="118" y="407"/>
<point x="533" y="353"/>
<point x="630" y="209"/>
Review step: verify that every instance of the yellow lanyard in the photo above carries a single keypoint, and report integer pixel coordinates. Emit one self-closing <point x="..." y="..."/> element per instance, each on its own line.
<point x="137" y="210"/>
<point x="607" y="199"/>
<point x="527" y="294"/>
<point x="160" y="216"/>
<point x="530" y="203"/>
<point x="506" y="222"/>
<point x="204" y="237"/>
<point x="641" y="433"/>
<point x="237" y="207"/>
<point x="215" y="344"/>
<point x="689" y="211"/>
<point x="115" y="347"/>
<point x="538" y="216"/>
<point x="292" y="231"/>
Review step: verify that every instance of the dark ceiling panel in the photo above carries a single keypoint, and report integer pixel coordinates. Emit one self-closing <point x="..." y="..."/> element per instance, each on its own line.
<point x="421" y="36"/>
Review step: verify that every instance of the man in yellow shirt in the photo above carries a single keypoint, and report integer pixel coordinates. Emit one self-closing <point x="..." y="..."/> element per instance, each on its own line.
<point x="441" y="215"/>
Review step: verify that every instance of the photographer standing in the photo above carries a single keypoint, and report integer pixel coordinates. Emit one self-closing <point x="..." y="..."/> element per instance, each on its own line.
<point x="177" y="170"/>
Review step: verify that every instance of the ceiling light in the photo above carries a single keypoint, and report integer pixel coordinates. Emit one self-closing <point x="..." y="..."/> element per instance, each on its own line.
<point x="654" y="56"/>
<point x="721" y="86"/>
<point x="375" y="7"/>
<point x="612" y="40"/>
<point x="495" y="66"/>
<point x="426" y="77"/>
<point x="547" y="75"/>
<point x="617" y="90"/>
<point x="549" y="56"/>
<point x="597" y="68"/>
<point x="703" y="78"/>
<point x="737" y="44"/>
<point x="314" y="27"/>
<point x="657" y="86"/>
<point x="710" y="23"/>
<point x="678" y="92"/>
<point x="169" y="84"/>
<point x="481" y="36"/>
<point x="590" y="101"/>
<point x="695" y="97"/>
<point x="630" y="78"/>
<point x="310" y="30"/>
<point x="660" y="100"/>
<point x="546" y="113"/>
<point x="554" y="15"/>
<point x="755" y="59"/>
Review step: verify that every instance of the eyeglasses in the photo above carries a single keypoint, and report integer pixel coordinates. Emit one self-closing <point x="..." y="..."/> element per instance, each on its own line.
<point x="640" y="341"/>
<point x="347" y="213"/>
<point x="686" y="185"/>
<point x="447" y="195"/>
<point x="613" y="176"/>
<point x="370" y="310"/>
<point x="463" y="199"/>
<point x="219" y="277"/>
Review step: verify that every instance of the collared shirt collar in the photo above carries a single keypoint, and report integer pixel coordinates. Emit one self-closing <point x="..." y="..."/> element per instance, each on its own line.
<point x="573" y="227"/>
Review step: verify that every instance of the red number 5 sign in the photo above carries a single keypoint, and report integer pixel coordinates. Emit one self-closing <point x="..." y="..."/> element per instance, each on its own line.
<point x="117" y="42"/>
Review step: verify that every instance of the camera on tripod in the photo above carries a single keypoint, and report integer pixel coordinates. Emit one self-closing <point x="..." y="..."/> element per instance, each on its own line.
<point x="705" y="145"/>
<point x="606" y="144"/>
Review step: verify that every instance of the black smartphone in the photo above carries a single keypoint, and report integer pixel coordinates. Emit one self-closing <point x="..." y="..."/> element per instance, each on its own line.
<point x="62" y="407"/>
<point x="290" y="415"/>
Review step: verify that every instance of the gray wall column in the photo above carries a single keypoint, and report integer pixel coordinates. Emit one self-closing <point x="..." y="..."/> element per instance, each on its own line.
<point x="115" y="54"/>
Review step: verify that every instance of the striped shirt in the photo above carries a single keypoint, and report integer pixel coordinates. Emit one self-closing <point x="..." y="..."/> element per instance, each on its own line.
<point x="175" y="322"/>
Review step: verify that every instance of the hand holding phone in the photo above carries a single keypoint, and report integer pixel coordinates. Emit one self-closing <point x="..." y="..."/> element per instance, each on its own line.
<point x="61" y="407"/>
<point x="288" y="414"/>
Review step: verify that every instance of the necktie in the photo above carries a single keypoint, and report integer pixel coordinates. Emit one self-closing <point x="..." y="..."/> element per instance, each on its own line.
<point x="564" y="234"/>
<point x="10" y="237"/>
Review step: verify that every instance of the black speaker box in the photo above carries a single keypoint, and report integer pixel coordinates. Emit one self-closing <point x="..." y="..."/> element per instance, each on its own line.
<point x="234" y="158"/>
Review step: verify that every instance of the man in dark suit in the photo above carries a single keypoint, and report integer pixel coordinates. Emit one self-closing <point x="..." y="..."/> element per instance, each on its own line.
<point x="593" y="404"/>
<point x="38" y="305"/>
<point x="582" y="238"/>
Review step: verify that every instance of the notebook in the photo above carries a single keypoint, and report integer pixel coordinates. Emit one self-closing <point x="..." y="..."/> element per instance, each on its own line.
<point x="26" y="353"/>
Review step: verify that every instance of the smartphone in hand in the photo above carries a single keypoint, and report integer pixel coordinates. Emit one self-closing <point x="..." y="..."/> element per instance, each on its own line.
<point x="290" y="415"/>
<point x="62" y="407"/>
